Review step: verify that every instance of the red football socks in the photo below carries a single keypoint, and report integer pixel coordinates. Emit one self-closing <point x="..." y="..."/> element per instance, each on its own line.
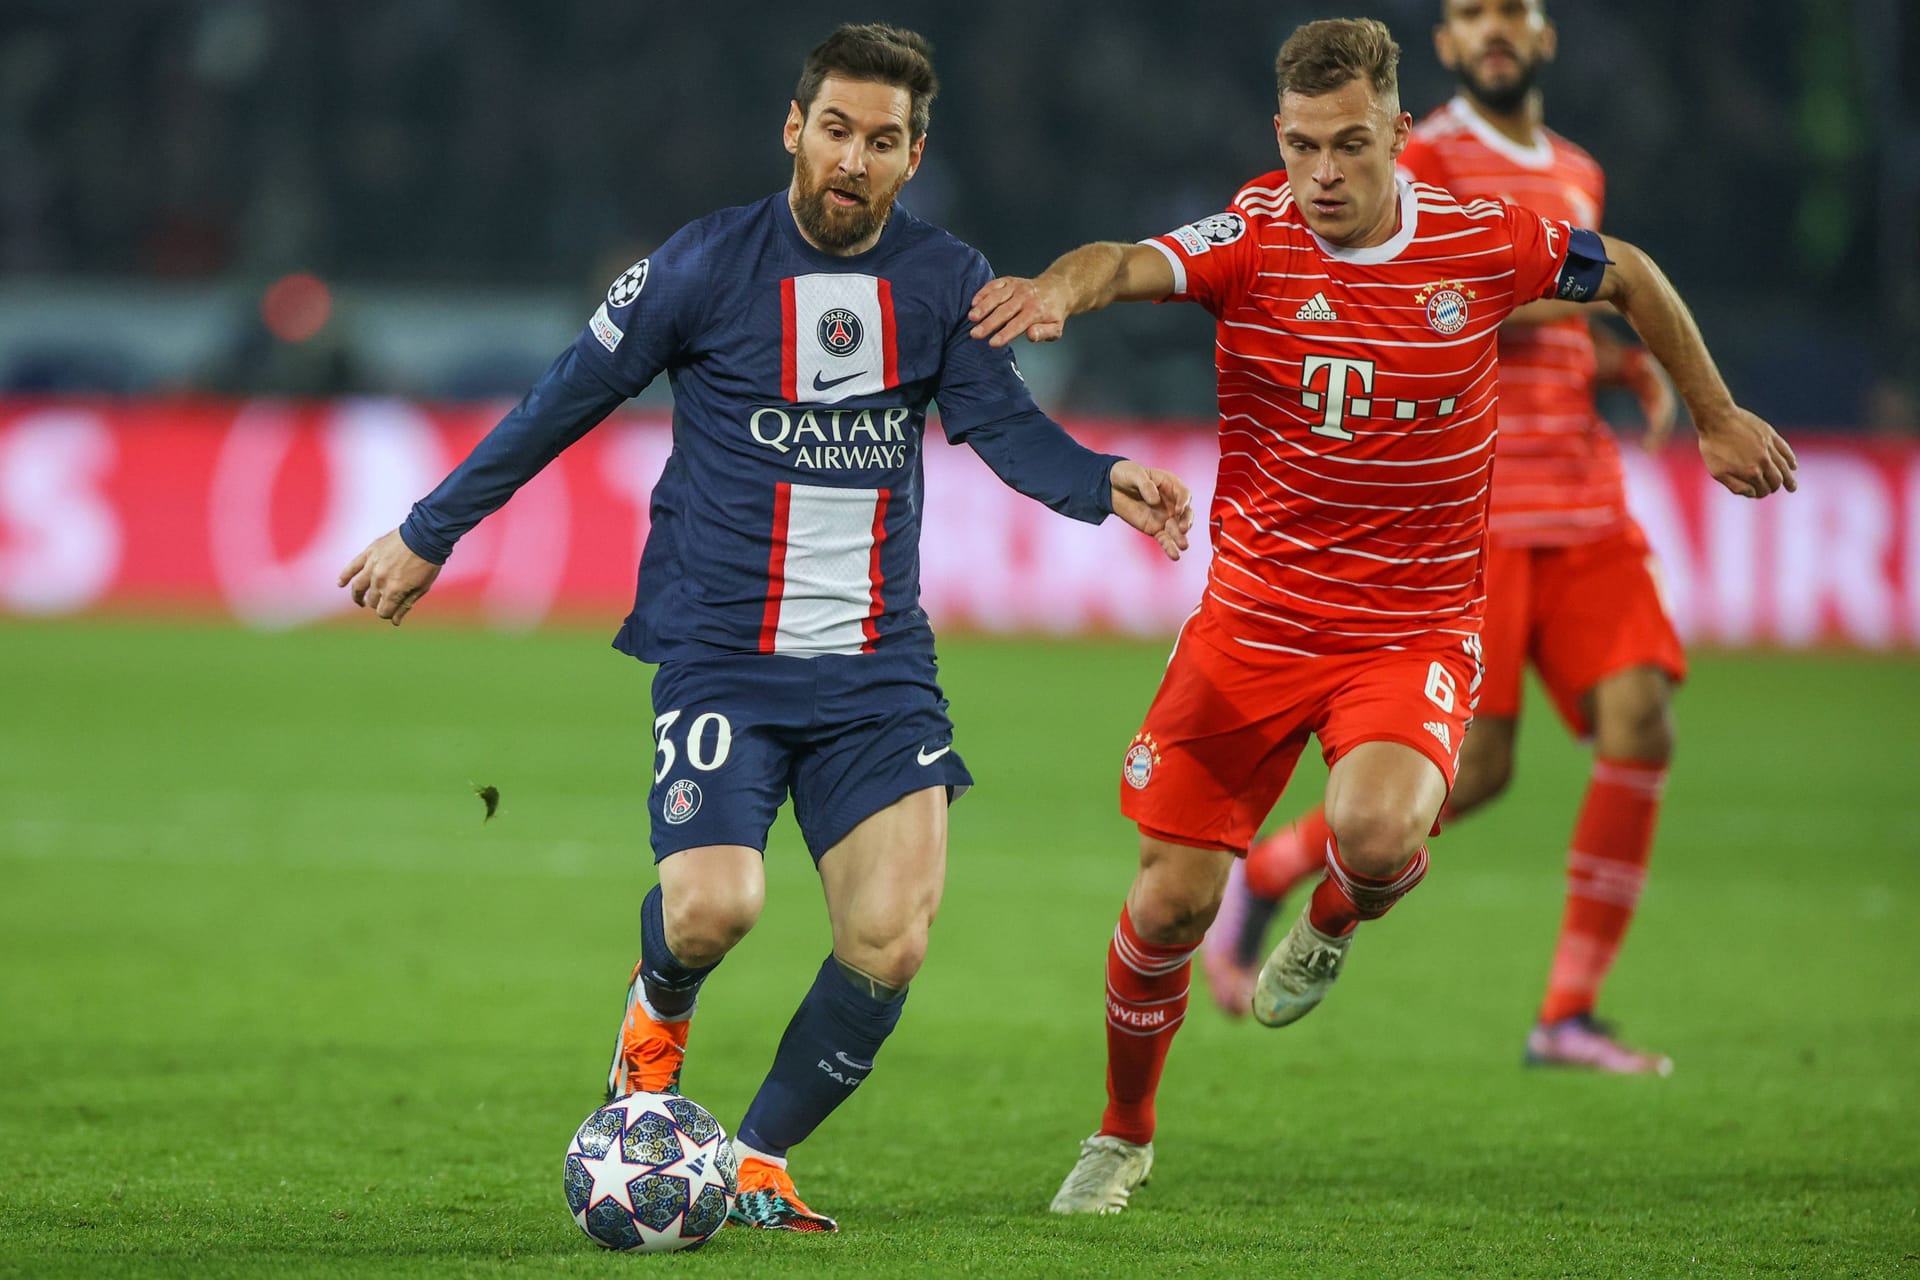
<point x="1606" y="867"/>
<point x="1346" y="897"/>
<point x="1146" y="1001"/>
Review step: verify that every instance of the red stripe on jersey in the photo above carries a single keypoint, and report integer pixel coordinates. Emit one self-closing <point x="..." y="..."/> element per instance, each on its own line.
<point x="871" y="625"/>
<point x="789" y="347"/>
<point x="891" y="370"/>
<point x="777" y="558"/>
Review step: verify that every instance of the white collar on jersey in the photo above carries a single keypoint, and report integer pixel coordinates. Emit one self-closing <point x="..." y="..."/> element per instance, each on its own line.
<point x="1539" y="155"/>
<point x="1387" y="251"/>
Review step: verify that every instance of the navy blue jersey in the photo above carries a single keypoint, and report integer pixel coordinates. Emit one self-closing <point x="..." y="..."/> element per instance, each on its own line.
<point x="787" y="519"/>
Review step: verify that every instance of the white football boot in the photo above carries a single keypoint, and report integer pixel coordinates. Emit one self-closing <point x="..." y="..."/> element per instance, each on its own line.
<point x="1296" y="976"/>
<point x="1104" y="1177"/>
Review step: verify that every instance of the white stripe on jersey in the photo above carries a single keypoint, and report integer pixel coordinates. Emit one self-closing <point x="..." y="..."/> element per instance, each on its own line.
<point x="1179" y="268"/>
<point x="826" y="567"/>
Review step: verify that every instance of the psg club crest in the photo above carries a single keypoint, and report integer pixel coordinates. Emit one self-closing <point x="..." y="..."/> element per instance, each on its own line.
<point x="1446" y="303"/>
<point x="629" y="285"/>
<point x="1141" y="757"/>
<point x="840" y="332"/>
<point x="683" y="801"/>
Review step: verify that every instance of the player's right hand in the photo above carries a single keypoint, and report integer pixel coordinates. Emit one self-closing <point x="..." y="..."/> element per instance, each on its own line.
<point x="1746" y="455"/>
<point x="388" y="578"/>
<point x="1009" y="306"/>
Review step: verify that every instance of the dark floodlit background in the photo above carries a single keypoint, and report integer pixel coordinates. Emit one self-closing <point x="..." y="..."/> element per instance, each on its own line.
<point x="460" y="179"/>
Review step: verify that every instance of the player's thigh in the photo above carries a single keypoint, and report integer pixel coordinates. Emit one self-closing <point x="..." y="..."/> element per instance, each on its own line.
<point x="1631" y="714"/>
<point x="883" y="883"/>
<point x="1177" y="890"/>
<point x="720" y="755"/>
<point x="1383" y="798"/>
<point x="1601" y="613"/>
<point x="1218" y="743"/>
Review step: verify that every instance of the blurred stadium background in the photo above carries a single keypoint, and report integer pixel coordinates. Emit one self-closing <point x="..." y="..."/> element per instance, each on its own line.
<point x="268" y="266"/>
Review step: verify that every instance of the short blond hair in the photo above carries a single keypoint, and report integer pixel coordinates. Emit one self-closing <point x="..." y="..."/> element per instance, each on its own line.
<point x="1321" y="57"/>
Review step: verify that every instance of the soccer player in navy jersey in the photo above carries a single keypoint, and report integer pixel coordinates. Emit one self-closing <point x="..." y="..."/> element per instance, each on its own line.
<point x="803" y="336"/>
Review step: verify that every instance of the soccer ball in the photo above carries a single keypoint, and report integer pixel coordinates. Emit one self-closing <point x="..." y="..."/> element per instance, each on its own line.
<point x="650" y="1173"/>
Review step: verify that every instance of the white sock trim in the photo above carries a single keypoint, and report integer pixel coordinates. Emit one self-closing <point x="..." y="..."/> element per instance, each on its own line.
<point x="742" y="1151"/>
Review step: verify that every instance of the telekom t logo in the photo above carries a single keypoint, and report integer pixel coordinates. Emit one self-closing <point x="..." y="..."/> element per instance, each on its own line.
<point x="1335" y="397"/>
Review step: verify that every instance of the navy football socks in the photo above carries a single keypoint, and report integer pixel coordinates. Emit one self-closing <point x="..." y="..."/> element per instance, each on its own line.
<point x="826" y="1052"/>
<point x="671" y="986"/>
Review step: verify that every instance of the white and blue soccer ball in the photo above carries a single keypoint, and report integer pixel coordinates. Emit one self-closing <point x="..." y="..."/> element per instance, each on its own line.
<point x="651" y="1173"/>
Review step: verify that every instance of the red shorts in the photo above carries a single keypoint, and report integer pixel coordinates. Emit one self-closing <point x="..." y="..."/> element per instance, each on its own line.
<point x="1230" y="720"/>
<point x="1579" y="614"/>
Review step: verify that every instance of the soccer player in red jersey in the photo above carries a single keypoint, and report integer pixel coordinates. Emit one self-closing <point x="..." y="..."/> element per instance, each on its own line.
<point x="1570" y="580"/>
<point x="1355" y="347"/>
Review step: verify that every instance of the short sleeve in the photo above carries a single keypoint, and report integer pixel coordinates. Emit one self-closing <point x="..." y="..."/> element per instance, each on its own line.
<point x="1213" y="259"/>
<point x="649" y="315"/>
<point x="979" y="383"/>
<point x="1539" y="252"/>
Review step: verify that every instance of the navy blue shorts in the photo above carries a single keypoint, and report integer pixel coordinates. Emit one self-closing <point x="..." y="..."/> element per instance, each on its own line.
<point x="845" y="734"/>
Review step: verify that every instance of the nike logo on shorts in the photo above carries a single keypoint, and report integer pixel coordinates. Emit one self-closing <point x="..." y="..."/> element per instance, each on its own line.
<point x="928" y="757"/>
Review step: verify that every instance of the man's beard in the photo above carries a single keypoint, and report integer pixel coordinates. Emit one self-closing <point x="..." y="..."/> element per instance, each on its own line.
<point x="830" y="226"/>
<point x="1503" y="99"/>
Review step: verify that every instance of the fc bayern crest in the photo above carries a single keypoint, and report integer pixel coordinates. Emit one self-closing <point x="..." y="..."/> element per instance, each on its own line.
<point x="840" y="332"/>
<point x="1141" y="757"/>
<point x="629" y="285"/>
<point x="682" y="802"/>
<point x="1446" y="302"/>
<point x="1221" y="228"/>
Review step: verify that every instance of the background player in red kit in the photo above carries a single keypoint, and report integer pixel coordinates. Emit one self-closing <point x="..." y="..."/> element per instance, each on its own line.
<point x="1570" y="577"/>
<point x="1356" y="347"/>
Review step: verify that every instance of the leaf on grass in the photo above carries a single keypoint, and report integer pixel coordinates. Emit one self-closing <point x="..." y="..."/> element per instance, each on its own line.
<point x="489" y="796"/>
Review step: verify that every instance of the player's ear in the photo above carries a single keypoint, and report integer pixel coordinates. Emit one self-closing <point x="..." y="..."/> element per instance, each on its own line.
<point x="1549" y="40"/>
<point x="914" y="153"/>
<point x="1443" y="47"/>
<point x="796" y="120"/>
<point x="1402" y="132"/>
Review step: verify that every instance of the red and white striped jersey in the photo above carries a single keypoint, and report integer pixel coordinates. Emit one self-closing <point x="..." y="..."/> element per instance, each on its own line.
<point x="1356" y="391"/>
<point x="1560" y="480"/>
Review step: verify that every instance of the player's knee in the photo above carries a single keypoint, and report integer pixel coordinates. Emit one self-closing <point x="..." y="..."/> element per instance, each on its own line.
<point x="1175" y="895"/>
<point x="705" y="921"/>
<point x="1635" y="722"/>
<point x="888" y="955"/>
<point x="1377" y="838"/>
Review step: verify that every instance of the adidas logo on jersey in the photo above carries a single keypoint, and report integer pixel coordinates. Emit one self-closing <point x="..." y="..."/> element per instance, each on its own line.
<point x="1316" y="308"/>
<point x="1439" y="731"/>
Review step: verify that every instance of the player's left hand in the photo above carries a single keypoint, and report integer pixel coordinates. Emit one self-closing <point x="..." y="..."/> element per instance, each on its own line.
<point x="1651" y="386"/>
<point x="1745" y="454"/>
<point x="1157" y="503"/>
<point x="388" y="578"/>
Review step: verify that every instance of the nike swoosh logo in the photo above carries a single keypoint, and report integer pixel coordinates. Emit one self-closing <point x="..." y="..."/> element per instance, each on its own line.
<point x="928" y="757"/>
<point x="820" y="384"/>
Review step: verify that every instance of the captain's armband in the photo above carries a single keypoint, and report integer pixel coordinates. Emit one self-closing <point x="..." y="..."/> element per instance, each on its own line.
<point x="1585" y="267"/>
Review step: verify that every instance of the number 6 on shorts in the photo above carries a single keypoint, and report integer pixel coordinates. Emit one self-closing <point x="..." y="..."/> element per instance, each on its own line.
<point x="1440" y="689"/>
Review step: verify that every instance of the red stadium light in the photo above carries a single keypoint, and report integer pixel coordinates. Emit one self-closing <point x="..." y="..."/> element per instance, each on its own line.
<point x="296" y="306"/>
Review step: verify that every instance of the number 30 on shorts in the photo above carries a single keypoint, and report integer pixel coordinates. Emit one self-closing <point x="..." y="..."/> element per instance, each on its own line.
<point x="709" y="741"/>
<point x="1440" y="687"/>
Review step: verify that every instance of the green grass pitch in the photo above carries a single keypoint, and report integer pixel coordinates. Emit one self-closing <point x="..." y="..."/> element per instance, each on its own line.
<point x="276" y="1001"/>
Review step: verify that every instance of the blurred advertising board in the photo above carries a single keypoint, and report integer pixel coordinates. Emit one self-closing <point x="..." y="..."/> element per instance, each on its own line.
<point x="248" y="511"/>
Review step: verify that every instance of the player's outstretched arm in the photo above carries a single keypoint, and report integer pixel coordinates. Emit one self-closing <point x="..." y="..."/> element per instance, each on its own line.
<point x="1740" y="449"/>
<point x="1085" y="279"/>
<point x="1157" y="503"/>
<point x="388" y="577"/>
